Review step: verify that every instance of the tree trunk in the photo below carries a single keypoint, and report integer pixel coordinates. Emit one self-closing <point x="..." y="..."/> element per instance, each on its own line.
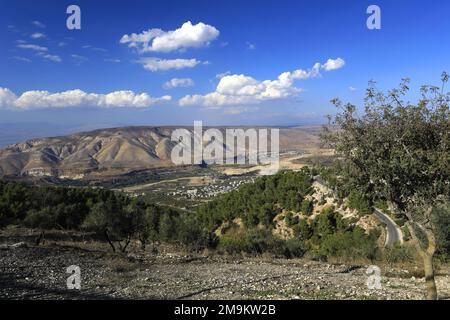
<point x="429" y="276"/>
<point x="143" y="244"/>
<point x="427" y="256"/>
<point x="126" y="244"/>
<point x="428" y="265"/>
<point x="109" y="241"/>
<point x="41" y="238"/>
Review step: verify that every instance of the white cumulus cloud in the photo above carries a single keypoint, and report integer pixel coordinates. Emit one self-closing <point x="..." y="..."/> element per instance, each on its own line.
<point x="50" y="57"/>
<point x="38" y="35"/>
<point x="38" y="24"/>
<point x="179" y="82"/>
<point x="157" y="40"/>
<point x="76" y="98"/>
<point x="7" y="97"/>
<point x="157" y="64"/>
<point x="34" y="47"/>
<point x="333" y="64"/>
<point x="223" y="74"/>
<point x="239" y="89"/>
<point x="250" y="46"/>
<point x="23" y="59"/>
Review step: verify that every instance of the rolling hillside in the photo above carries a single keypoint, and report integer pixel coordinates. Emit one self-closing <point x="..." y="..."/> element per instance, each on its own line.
<point x="112" y="151"/>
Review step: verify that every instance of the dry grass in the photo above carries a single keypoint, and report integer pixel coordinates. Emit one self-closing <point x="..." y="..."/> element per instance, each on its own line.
<point x="122" y="265"/>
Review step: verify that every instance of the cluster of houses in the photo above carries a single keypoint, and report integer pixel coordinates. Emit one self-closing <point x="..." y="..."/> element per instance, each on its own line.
<point x="210" y="190"/>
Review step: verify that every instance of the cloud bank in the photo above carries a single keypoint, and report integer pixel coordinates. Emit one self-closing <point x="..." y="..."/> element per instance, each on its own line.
<point x="76" y="98"/>
<point x="241" y="89"/>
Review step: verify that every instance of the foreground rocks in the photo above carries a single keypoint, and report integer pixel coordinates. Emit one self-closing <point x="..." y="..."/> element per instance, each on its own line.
<point x="30" y="272"/>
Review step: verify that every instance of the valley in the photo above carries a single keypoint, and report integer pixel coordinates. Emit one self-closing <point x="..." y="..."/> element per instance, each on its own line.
<point x="280" y="237"/>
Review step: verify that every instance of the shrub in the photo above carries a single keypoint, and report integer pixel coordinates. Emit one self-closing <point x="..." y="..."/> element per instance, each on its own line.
<point x="307" y="207"/>
<point x="328" y="222"/>
<point x="290" y="220"/>
<point x="349" y="244"/>
<point x="359" y="202"/>
<point x="193" y="235"/>
<point x="232" y="244"/>
<point x="441" y="221"/>
<point x="382" y="205"/>
<point x="332" y="236"/>
<point x="167" y="228"/>
<point x="399" y="253"/>
<point x="254" y="241"/>
<point x="42" y="219"/>
<point x="303" y="230"/>
<point x="294" y="248"/>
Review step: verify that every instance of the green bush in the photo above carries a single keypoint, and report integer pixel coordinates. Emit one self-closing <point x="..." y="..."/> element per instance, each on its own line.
<point x="359" y="202"/>
<point x="232" y="245"/>
<point x="290" y="220"/>
<point x="303" y="230"/>
<point x="307" y="207"/>
<point x="382" y="205"/>
<point x="42" y="219"/>
<point x="294" y="248"/>
<point x="193" y="235"/>
<point x="258" y="241"/>
<point x="328" y="222"/>
<point x="332" y="236"/>
<point x="399" y="253"/>
<point x="349" y="244"/>
<point x="441" y="221"/>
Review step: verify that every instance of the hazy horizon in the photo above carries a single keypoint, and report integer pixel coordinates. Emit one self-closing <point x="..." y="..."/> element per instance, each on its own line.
<point x="19" y="132"/>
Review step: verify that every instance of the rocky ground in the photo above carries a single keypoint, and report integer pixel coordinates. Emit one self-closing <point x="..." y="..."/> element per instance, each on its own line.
<point x="31" y="272"/>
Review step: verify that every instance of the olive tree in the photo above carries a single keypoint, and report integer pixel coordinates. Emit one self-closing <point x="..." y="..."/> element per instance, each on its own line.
<point x="118" y="223"/>
<point x="400" y="152"/>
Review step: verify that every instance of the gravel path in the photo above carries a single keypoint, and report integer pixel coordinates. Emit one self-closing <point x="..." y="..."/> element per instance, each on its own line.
<point x="30" y="272"/>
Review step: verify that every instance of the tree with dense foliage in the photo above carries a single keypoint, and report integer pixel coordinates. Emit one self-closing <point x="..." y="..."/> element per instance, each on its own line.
<point x="307" y="207"/>
<point x="359" y="202"/>
<point x="400" y="152"/>
<point x="118" y="222"/>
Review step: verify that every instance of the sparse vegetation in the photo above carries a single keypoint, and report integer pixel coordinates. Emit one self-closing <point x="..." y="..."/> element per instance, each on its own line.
<point x="400" y="254"/>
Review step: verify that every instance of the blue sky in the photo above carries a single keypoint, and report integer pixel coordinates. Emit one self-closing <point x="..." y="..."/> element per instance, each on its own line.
<point x="228" y="59"/>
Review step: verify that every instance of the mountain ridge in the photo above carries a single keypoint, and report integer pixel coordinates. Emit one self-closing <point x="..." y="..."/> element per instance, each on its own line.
<point x="112" y="151"/>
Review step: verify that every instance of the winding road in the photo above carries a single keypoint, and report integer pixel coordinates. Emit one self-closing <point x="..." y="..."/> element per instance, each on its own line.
<point x="394" y="234"/>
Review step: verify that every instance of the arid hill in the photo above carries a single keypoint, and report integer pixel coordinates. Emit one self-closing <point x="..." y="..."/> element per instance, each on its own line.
<point x="113" y="151"/>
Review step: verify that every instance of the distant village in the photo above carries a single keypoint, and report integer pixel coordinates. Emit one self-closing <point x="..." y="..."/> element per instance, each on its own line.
<point x="210" y="190"/>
